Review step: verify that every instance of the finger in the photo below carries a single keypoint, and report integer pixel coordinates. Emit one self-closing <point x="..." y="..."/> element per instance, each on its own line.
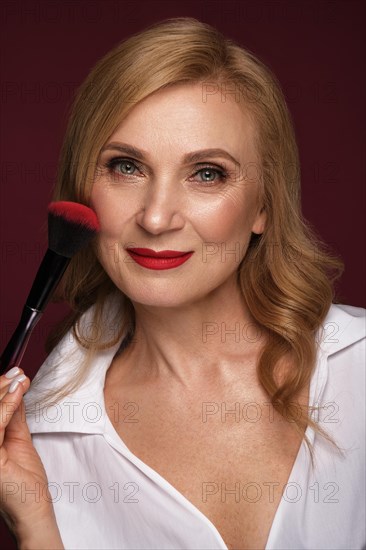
<point x="7" y="378"/>
<point x="9" y="405"/>
<point x="15" y="382"/>
<point x="18" y="427"/>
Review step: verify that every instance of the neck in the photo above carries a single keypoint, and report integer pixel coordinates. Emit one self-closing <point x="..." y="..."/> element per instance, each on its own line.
<point x="194" y="343"/>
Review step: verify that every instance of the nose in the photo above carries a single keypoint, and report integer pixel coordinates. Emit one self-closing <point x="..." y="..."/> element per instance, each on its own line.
<point x="161" y="210"/>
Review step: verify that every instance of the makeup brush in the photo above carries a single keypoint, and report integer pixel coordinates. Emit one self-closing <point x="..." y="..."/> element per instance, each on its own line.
<point x="71" y="226"/>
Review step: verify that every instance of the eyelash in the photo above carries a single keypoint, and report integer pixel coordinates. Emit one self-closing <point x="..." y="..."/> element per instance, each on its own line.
<point x="222" y="174"/>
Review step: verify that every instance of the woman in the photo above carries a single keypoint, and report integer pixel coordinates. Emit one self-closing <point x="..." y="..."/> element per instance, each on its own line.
<point x="183" y="401"/>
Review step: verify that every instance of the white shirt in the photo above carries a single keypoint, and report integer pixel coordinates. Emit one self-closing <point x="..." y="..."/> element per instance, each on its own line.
<point x="105" y="497"/>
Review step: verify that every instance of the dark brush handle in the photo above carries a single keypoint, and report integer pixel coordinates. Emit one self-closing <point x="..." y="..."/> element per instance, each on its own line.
<point x="48" y="276"/>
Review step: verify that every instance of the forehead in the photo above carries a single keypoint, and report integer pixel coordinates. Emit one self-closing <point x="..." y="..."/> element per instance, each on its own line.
<point x="186" y="117"/>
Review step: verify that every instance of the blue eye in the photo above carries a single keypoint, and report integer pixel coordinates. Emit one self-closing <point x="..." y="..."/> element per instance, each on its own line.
<point x="113" y="163"/>
<point x="208" y="170"/>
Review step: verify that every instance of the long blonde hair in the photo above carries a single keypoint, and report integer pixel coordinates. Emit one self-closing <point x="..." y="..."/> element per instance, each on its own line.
<point x="287" y="274"/>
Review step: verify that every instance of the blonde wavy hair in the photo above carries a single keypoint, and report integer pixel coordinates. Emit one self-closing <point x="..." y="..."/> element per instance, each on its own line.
<point x="287" y="274"/>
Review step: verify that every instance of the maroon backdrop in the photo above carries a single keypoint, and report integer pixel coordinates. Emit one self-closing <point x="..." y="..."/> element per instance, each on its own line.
<point x="316" y="49"/>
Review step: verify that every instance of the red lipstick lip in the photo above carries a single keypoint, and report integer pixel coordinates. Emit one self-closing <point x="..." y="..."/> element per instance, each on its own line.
<point x="162" y="260"/>
<point x="148" y="252"/>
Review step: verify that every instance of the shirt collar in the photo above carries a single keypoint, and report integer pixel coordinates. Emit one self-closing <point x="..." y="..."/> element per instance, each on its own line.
<point x="84" y="410"/>
<point x="344" y="325"/>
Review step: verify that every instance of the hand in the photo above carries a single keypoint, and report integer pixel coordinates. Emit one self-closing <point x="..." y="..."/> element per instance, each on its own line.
<point x="25" y="502"/>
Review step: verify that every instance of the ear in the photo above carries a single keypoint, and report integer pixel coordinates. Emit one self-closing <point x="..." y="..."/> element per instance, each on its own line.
<point x="260" y="222"/>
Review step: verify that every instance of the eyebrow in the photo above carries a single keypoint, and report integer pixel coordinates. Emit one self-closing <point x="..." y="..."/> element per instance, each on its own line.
<point x="195" y="156"/>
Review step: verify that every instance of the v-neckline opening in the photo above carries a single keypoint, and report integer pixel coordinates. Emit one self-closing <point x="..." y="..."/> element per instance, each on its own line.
<point x="114" y="437"/>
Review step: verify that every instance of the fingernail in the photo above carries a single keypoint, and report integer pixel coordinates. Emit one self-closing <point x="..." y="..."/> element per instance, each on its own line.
<point x="12" y="372"/>
<point x="13" y="386"/>
<point x="15" y="383"/>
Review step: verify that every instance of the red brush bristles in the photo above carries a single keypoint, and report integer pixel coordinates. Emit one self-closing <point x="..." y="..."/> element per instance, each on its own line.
<point x="75" y="213"/>
<point x="71" y="226"/>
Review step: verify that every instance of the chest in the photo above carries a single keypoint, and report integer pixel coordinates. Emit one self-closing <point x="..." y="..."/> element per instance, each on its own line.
<point x="230" y="459"/>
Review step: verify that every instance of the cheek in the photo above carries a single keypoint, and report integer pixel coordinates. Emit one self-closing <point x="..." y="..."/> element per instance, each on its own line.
<point x="225" y="219"/>
<point x="112" y="213"/>
<point x="224" y="227"/>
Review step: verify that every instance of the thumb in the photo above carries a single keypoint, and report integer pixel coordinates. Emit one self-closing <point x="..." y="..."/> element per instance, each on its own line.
<point x="18" y="427"/>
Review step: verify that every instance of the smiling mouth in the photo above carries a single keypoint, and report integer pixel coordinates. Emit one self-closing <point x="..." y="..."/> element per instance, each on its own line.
<point x="149" y="253"/>
<point x="162" y="260"/>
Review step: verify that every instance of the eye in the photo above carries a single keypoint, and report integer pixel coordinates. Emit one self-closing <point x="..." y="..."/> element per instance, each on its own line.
<point x="212" y="175"/>
<point x="124" y="167"/>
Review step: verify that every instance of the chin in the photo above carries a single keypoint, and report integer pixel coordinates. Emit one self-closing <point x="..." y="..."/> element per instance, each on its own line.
<point x="165" y="297"/>
<point x="158" y="302"/>
<point x="150" y="295"/>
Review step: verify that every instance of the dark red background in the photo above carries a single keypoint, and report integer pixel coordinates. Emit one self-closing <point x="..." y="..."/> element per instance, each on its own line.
<point x="316" y="49"/>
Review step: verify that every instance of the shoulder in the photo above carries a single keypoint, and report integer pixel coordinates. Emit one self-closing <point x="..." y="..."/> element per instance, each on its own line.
<point x="341" y="380"/>
<point x="341" y="344"/>
<point x="342" y="358"/>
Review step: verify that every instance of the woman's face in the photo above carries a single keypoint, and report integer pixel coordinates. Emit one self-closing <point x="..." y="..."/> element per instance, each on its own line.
<point x="156" y="197"/>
